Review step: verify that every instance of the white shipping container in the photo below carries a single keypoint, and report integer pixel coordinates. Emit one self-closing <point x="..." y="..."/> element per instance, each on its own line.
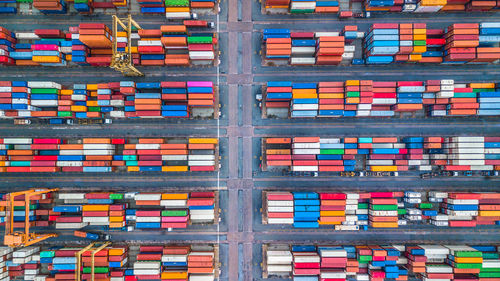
<point x="303" y="50"/>
<point x="148" y="196"/>
<point x="201" y="55"/>
<point x="149" y="43"/>
<point x="45" y="85"/>
<point x="148" y="146"/>
<point x="306" y="151"/>
<point x="69" y="163"/>
<point x="148" y="219"/>
<point x="305" y="168"/>
<point x="96" y="220"/>
<point x="70" y="225"/>
<point x="321" y="34"/>
<point x="178" y="15"/>
<point x="280" y="203"/>
<point x="174" y="203"/>
<point x="306" y="145"/>
<point x="26" y="36"/>
<point x="302" y="60"/>
<point x="280" y="209"/>
<point x="43" y="103"/>
<point x="117" y="114"/>
<point x="174" y="157"/>
<point x="147" y="265"/>
<point x="277" y="269"/>
<point x="201" y="163"/>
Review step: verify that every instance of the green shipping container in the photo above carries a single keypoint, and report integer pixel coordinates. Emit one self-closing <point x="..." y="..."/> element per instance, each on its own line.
<point x="177" y="3"/>
<point x="352" y="94"/>
<point x="64" y="114"/>
<point x="468" y="254"/>
<point x="199" y="40"/>
<point x="47" y="254"/>
<point x="174" y="213"/>
<point x="88" y="270"/>
<point x="131" y="163"/>
<point x="425" y="205"/>
<point x="129" y="157"/>
<point x="116" y="196"/>
<point x="44" y="91"/>
<point x="384" y="207"/>
<point x="332" y="151"/>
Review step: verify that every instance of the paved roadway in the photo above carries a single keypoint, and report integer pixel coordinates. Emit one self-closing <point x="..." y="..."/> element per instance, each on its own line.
<point x="241" y="74"/>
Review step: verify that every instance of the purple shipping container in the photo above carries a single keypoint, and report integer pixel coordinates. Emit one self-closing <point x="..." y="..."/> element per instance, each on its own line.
<point x="200" y="84"/>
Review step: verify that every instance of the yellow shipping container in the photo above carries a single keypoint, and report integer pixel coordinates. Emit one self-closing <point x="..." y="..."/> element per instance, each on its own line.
<point x="489" y="213"/>
<point x="304" y="91"/>
<point x="383" y="168"/>
<point x="384" y="224"/>
<point x="415" y="57"/>
<point x="174" y="168"/>
<point x="92" y="87"/>
<point x="78" y="108"/>
<point x="419" y="37"/>
<point x="134" y="50"/>
<point x="66" y="92"/>
<point x="92" y="103"/>
<point x="116" y="224"/>
<point x="433" y="2"/>
<point x="329" y="222"/>
<point x="420" y="31"/>
<point x="121" y="34"/>
<point x="3" y="163"/>
<point x="331" y="213"/>
<point x="132" y="169"/>
<point x="482" y="85"/>
<point x="177" y="9"/>
<point x="468" y="260"/>
<point x="212" y="140"/>
<point x="174" y="196"/>
<point x="95" y="208"/>
<point x="352" y="83"/>
<point x="305" y="96"/>
<point x="419" y="49"/>
<point x="69" y="57"/>
<point x="115" y="219"/>
<point x="47" y="59"/>
<point x="174" y="275"/>
<point x="352" y="100"/>
<point x="331" y="96"/>
<point x="116" y="252"/>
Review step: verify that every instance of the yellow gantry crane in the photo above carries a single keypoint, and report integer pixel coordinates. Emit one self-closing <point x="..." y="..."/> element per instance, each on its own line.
<point x="94" y="247"/>
<point x="123" y="61"/>
<point x="16" y="239"/>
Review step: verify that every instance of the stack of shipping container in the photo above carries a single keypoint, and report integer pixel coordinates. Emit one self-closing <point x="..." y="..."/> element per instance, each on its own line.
<point x="125" y="99"/>
<point x="382" y="262"/>
<point x="308" y="48"/>
<point x="386" y="43"/>
<point x="364" y="210"/>
<point x="120" y="211"/>
<point x="108" y="155"/>
<point x="379" y="154"/>
<point x="368" y="98"/>
<point x="90" y="44"/>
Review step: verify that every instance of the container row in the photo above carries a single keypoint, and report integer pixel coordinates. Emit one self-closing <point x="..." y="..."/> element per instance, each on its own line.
<point x="114" y="262"/>
<point x="385" y="43"/>
<point x="368" y="98"/>
<point x="118" y="211"/>
<point x="371" y="6"/>
<point x="382" y="262"/>
<point x="124" y="99"/>
<point x="364" y="210"/>
<point x="381" y="154"/>
<point x="172" y="9"/>
<point x="108" y="155"/>
<point x="190" y="43"/>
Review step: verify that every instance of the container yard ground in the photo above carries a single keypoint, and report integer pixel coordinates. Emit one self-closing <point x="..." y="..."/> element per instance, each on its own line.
<point x="241" y="128"/>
